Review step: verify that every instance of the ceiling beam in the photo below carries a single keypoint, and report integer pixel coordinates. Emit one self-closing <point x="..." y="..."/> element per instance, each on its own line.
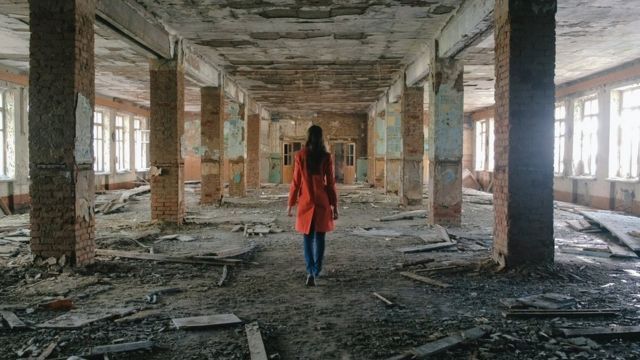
<point x="471" y="22"/>
<point x="418" y="70"/>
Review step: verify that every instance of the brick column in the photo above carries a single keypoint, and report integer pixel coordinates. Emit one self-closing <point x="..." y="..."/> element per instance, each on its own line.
<point x="166" y="129"/>
<point x="412" y="145"/>
<point x="253" y="151"/>
<point x="379" y="134"/>
<point x="61" y="102"/>
<point x="393" y="153"/>
<point x="445" y="142"/>
<point x="212" y="140"/>
<point x="523" y="183"/>
<point x="234" y="128"/>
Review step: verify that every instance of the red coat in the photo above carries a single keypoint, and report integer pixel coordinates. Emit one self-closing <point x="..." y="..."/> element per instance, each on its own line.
<point x="314" y="194"/>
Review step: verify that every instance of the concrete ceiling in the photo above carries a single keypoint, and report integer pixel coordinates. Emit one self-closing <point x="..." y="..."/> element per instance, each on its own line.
<point x="330" y="55"/>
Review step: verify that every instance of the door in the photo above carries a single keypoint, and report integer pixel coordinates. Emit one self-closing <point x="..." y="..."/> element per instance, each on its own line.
<point x="350" y="164"/>
<point x="339" y="161"/>
<point x="275" y="169"/>
<point x="289" y="151"/>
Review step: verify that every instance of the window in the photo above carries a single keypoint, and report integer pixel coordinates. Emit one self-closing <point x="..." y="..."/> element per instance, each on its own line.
<point x="7" y="134"/>
<point x="3" y="136"/>
<point x="490" y="145"/>
<point x="98" y="142"/>
<point x="559" y="139"/>
<point x="625" y="133"/>
<point x="141" y="138"/>
<point x="121" y="138"/>
<point x="481" y="145"/>
<point x="287" y="161"/>
<point x="585" y="140"/>
<point x="351" y="154"/>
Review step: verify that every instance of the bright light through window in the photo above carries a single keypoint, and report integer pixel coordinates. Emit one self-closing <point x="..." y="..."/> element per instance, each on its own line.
<point x="481" y="145"/>
<point x="559" y="139"/>
<point x="585" y="138"/>
<point x="625" y="134"/>
<point x="121" y="136"/>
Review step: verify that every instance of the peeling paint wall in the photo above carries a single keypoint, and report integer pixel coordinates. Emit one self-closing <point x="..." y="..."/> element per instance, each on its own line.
<point x="393" y="155"/>
<point x="234" y="128"/>
<point x="191" y="147"/>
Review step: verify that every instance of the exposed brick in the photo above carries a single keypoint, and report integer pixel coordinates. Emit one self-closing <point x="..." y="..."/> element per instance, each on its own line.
<point x="212" y="142"/>
<point x="253" y="151"/>
<point x="445" y="142"/>
<point x="412" y="145"/>
<point x="166" y="129"/>
<point x="524" y="120"/>
<point x="62" y="179"/>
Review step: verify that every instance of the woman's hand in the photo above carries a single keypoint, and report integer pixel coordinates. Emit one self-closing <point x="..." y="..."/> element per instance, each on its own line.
<point x="289" y="211"/>
<point x="335" y="213"/>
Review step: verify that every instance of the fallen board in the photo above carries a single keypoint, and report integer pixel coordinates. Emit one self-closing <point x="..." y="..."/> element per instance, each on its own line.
<point x="256" y="345"/>
<point x="580" y="225"/>
<point x="198" y="322"/>
<point x="166" y="258"/>
<point x="76" y="319"/>
<point x="528" y="313"/>
<point x="424" y="248"/>
<point x="12" y="320"/>
<point x="619" y="225"/>
<point x="386" y="301"/>
<point x="613" y="331"/>
<point x="444" y="344"/>
<point x="234" y="251"/>
<point x="424" y="279"/>
<point x="223" y="277"/>
<point x="119" y="348"/>
<point x="407" y="215"/>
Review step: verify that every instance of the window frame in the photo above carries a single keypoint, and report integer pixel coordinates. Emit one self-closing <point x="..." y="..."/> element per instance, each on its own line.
<point x="99" y="157"/>
<point x="578" y="137"/>
<point x="122" y="148"/>
<point x="3" y="135"/>
<point x="560" y="136"/>
<point x="480" y="134"/>
<point x="351" y="154"/>
<point x="141" y="139"/>
<point x="621" y="129"/>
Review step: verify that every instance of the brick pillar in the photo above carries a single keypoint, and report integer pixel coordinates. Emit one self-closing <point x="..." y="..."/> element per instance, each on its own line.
<point x="445" y="142"/>
<point x="234" y="130"/>
<point x="253" y="151"/>
<point x="523" y="183"/>
<point x="61" y="101"/>
<point x="412" y="145"/>
<point x="380" y="126"/>
<point x="393" y="154"/>
<point x="371" y="160"/>
<point x="212" y="139"/>
<point x="166" y="129"/>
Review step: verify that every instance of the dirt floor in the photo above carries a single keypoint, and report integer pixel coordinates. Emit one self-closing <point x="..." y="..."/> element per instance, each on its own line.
<point x="338" y="319"/>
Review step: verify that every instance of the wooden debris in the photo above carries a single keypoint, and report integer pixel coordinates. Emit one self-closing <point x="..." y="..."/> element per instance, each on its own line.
<point x="581" y="225"/>
<point x="407" y="215"/>
<point x="47" y="351"/>
<point x="12" y="320"/>
<point x="121" y="201"/>
<point x="444" y="344"/>
<point x="234" y="252"/>
<point x="424" y="248"/>
<point x="237" y="228"/>
<point x="120" y="348"/>
<point x="619" y="225"/>
<point x="223" y="278"/>
<point x="443" y="234"/>
<point x="414" y="263"/>
<point x="581" y="251"/>
<point x="424" y="279"/>
<point x="550" y="301"/>
<point x="528" y="313"/>
<point x="377" y="232"/>
<point x="451" y="268"/>
<point x="386" y="301"/>
<point x="256" y="345"/>
<point x="77" y="319"/>
<point x="166" y="258"/>
<point x="58" y="305"/>
<point x="198" y="322"/>
<point x="613" y="331"/>
<point x="143" y="314"/>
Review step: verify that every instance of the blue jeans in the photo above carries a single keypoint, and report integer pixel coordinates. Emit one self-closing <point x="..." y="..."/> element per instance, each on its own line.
<point x="314" y="252"/>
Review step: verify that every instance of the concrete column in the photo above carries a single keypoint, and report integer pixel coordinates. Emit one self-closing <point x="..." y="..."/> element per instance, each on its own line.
<point x="234" y="127"/>
<point x="212" y="140"/>
<point x="380" y="130"/>
<point x="61" y="97"/>
<point x="524" y="121"/>
<point x="412" y="145"/>
<point x="371" y="159"/>
<point x="253" y="151"/>
<point x="445" y="142"/>
<point x="166" y="126"/>
<point x="393" y="153"/>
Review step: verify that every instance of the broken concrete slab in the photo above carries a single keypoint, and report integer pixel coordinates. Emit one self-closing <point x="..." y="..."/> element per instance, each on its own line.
<point x="120" y="348"/>
<point x="424" y="248"/>
<point x="530" y="313"/>
<point x="550" y="301"/>
<point x="12" y="320"/>
<point x="444" y="344"/>
<point x="407" y="215"/>
<point x="206" y="321"/>
<point x="609" y="332"/>
<point x="619" y="225"/>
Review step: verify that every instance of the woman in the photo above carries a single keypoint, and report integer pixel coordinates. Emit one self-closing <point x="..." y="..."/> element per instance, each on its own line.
<point x="313" y="188"/>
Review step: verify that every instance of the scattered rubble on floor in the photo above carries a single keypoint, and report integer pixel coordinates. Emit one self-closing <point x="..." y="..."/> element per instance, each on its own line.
<point x="441" y="345"/>
<point x="206" y="321"/>
<point x="406" y="215"/>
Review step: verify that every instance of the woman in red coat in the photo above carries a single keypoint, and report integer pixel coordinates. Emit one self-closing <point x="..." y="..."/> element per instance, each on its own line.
<point x="313" y="188"/>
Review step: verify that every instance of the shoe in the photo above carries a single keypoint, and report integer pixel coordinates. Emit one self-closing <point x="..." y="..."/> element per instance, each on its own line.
<point x="311" y="281"/>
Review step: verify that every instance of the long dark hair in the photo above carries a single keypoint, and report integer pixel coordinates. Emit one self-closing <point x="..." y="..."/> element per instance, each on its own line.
<point x="315" y="148"/>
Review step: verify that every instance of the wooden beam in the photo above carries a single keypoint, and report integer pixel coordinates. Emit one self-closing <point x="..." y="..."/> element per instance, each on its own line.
<point x="256" y="345"/>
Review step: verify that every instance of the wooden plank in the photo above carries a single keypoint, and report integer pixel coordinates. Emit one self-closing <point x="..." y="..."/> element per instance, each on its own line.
<point x="579" y="225"/>
<point x="613" y="331"/>
<point x="414" y="263"/>
<point x="527" y="313"/>
<point x="383" y="299"/>
<point x="12" y="320"/>
<point x="619" y="225"/>
<point x="77" y="319"/>
<point x="256" y="345"/>
<point x="441" y="345"/>
<point x="119" y="348"/>
<point x="47" y="351"/>
<point x="165" y="258"/>
<point x="424" y="248"/>
<point x="424" y="279"/>
<point x="234" y="251"/>
<point x="407" y="215"/>
<point x="205" y="321"/>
